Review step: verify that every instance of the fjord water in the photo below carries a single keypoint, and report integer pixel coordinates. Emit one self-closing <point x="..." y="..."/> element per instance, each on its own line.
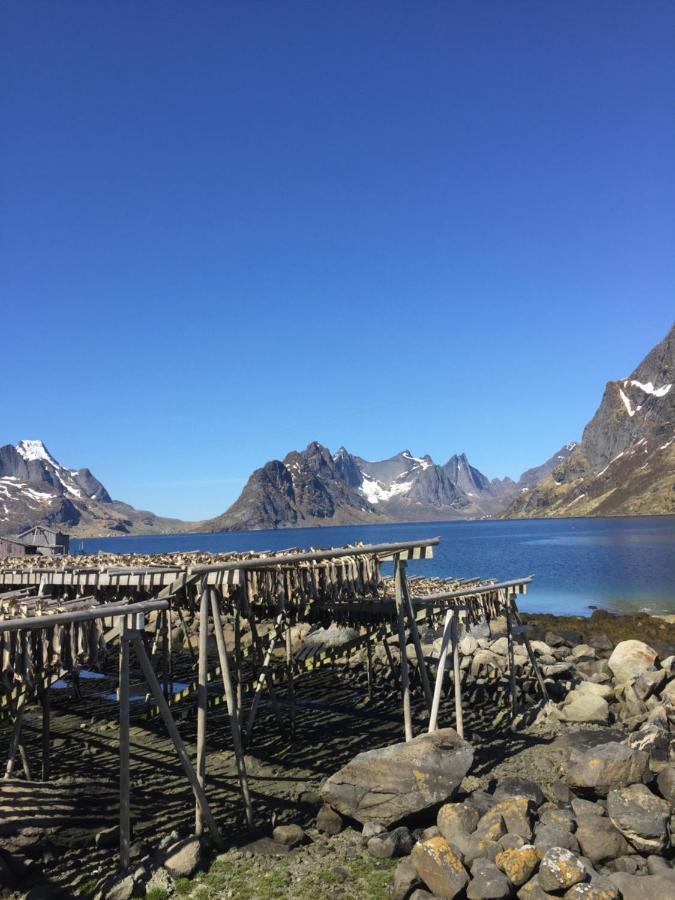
<point x="618" y="564"/>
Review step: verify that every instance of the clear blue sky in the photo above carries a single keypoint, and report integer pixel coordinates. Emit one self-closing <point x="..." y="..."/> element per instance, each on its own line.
<point x="227" y="229"/>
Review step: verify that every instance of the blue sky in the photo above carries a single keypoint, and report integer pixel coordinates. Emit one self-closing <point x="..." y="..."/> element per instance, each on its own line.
<point x="228" y="229"/>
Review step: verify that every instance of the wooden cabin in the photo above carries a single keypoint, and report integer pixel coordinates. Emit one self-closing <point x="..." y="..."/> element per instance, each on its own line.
<point x="45" y="541"/>
<point x="11" y="547"/>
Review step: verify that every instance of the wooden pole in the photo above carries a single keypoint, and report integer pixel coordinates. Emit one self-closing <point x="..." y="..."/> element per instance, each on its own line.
<point x="421" y="662"/>
<point x="237" y="660"/>
<point x="530" y="651"/>
<point x="45" y="732"/>
<point x="405" y="681"/>
<point x="165" y="713"/>
<point x="512" y="664"/>
<point x="283" y="607"/>
<point x="16" y="736"/>
<point x="125" y="816"/>
<point x="164" y="632"/>
<point x="260" y="659"/>
<point x="459" y="715"/>
<point x="369" y="663"/>
<point x="232" y="710"/>
<point x="202" y="699"/>
<point x="440" y="673"/>
<point x="262" y="678"/>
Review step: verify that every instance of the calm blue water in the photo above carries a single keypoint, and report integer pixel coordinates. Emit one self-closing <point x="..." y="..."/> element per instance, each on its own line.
<point x="619" y="564"/>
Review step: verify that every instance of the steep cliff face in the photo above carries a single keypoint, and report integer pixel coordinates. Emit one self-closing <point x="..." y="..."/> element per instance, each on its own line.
<point x="625" y="463"/>
<point x="35" y="489"/>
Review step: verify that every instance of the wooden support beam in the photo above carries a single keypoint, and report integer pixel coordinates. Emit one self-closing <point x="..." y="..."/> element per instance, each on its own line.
<point x="202" y="698"/>
<point x="16" y="736"/>
<point x="46" y="725"/>
<point x="440" y="673"/>
<point x="165" y="713"/>
<point x="530" y="651"/>
<point x="405" y="679"/>
<point x="456" y="671"/>
<point x="513" y="688"/>
<point x="262" y="677"/>
<point x="125" y="814"/>
<point x="412" y="622"/>
<point x="231" y="709"/>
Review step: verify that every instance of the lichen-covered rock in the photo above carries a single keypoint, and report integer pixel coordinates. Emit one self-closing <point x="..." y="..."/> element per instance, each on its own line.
<point x="455" y="818"/>
<point x="406" y="879"/>
<point x="386" y="784"/>
<point x="630" y="658"/>
<point x="519" y="864"/>
<point x="642" y="817"/>
<point x="549" y="836"/>
<point x="601" y="889"/>
<point x="514" y="812"/>
<point x="606" y="766"/>
<point x="513" y="786"/>
<point x="439" y="867"/>
<point x="559" y="869"/>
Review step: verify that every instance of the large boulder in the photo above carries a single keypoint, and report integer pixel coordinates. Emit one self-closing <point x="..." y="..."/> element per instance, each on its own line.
<point x="599" y="839"/>
<point x="387" y="784"/>
<point x="606" y="766"/>
<point x="644" y="887"/>
<point x="582" y="706"/>
<point x="630" y="658"/>
<point x="641" y="817"/>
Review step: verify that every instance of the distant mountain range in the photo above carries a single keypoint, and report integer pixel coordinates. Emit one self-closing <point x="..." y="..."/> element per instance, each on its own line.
<point x="624" y="465"/>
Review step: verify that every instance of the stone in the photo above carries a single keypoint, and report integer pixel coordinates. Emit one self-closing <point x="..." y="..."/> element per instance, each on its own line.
<point x="657" y="865"/>
<point x="481" y="800"/>
<point x="183" y="859"/>
<point x="406" y="879"/>
<point x="532" y="890"/>
<point x="648" y="683"/>
<point x="558" y="818"/>
<point x="468" y="645"/>
<point x="265" y="846"/>
<point x="599" y="839"/>
<point x="601" y="889"/>
<point x="385" y="785"/>
<point x="605" y="691"/>
<point x="486" y="661"/>
<point x="514" y="813"/>
<point x="289" y="835"/>
<point x="582" y="807"/>
<point x="606" y="766"/>
<point x="641" y="816"/>
<point x="559" y="869"/>
<point x="329" y="821"/>
<point x="510" y="842"/>
<point x="630" y="658"/>
<point x="514" y="786"/>
<point x="585" y="707"/>
<point x="457" y="817"/>
<point x="108" y="837"/>
<point x="332" y="636"/>
<point x="519" y="864"/>
<point x="398" y="842"/>
<point x="477" y="847"/>
<point x="439" y="867"/>
<point x="487" y="882"/>
<point x="665" y="781"/>
<point x="600" y="641"/>
<point x="644" y="887"/>
<point x="668" y="694"/>
<point x="123" y="889"/>
<point x="370" y="829"/>
<point x="583" y="650"/>
<point x="549" y="836"/>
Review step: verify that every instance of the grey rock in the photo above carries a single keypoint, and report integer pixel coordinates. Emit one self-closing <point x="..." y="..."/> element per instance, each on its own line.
<point x="560" y="869"/>
<point x="641" y="816"/>
<point x="329" y="821"/>
<point x="648" y="683"/>
<point x="630" y="658"/>
<point x="636" y="887"/>
<point x="657" y="865"/>
<point x="385" y="785"/>
<point x="514" y="786"/>
<point x="123" y="889"/>
<point x="370" y="829"/>
<point x="183" y="859"/>
<point x="665" y="781"/>
<point x="558" y="818"/>
<point x="487" y="882"/>
<point x="586" y="707"/>
<point x="290" y="835"/>
<point x="558" y="792"/>
<point x="606" y="766"/>
<point x="406" y="880"/>
<point x="582" y="807"/>
<point x="454" y="818"/>
<point x="599" y="839"/>
<point x="439" y="867"/>
<point x="549" y="836"/>
<point x="599" y="889"/>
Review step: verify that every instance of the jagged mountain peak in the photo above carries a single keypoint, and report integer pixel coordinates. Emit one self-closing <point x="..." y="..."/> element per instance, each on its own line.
<point x="34" y="449"/>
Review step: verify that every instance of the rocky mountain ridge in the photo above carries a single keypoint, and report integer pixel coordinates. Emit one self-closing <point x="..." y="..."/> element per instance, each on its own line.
<point x="625" y="463"/>
<point x="317" y="487"/>
<point x="35" y="489"/>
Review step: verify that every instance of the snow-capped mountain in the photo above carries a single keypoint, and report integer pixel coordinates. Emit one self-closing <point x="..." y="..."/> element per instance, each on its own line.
<point x="316" y="487"/>
<point x="625" y="463"/>
<point x="36" y="489"/>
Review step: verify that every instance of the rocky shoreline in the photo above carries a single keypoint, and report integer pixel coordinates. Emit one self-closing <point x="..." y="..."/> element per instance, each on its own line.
<point x="573" y="798"/>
